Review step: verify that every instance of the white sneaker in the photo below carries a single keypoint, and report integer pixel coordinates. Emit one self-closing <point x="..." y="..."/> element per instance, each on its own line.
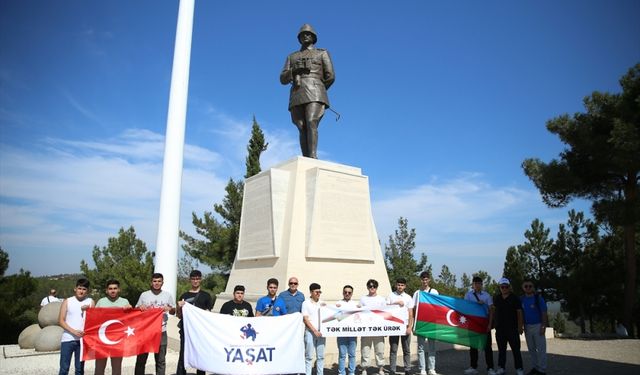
<point x="500" y="371"/>
<point x="422" y="372"/>
<point x="381" y="371"/>
<point x="432" y="372"/>
<point x="364" y="372"/>
<point x="519" y="371"/>
<point x="470" y="371"/>
<point x="491" y="372"/>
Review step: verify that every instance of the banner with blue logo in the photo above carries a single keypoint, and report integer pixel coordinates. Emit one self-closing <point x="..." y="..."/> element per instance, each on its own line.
<point x="225" y="344"/>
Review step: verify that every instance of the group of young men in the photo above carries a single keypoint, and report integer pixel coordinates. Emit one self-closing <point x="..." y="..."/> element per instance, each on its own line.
<point x="71" y="319"/>
<point x="509" y="315"/>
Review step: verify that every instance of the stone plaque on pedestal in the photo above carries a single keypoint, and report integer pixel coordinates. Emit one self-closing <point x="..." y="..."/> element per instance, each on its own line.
<point x="310" y="219"/>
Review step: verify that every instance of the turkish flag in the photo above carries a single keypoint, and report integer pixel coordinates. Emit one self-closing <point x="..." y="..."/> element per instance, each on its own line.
<point x="114" y="332"/>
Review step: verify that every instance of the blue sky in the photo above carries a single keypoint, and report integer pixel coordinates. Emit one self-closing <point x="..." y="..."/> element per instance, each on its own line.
<point x="441" y="101"/>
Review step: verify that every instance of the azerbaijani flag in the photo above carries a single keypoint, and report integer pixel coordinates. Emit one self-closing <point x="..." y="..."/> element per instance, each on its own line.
<point x="453" y="320"/>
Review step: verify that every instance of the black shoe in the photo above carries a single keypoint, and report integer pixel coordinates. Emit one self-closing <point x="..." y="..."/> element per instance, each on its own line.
<point x="533" y="372"/>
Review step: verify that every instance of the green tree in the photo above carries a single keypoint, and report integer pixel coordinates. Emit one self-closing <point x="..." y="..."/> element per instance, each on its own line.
<point x="602" y="164"/>
<point x="255" y="148"/>
<point x="18" y="310"/>
<point x="399" y="259"/>
<point x="465" y="280"/>
<point x="538" y="248"/>
<point x="217" y="241"/>
<point x="126" y="259"/>
<point x="4" y="262"/>
<point x="446" y="282"/>
<point x="516" y="265"/>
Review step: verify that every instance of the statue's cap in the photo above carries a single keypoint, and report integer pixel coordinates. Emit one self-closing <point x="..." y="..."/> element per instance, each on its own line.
<point x="309" y="29"/>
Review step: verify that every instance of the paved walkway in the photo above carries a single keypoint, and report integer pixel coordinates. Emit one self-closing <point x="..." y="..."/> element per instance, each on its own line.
<point x="566" y="357"/>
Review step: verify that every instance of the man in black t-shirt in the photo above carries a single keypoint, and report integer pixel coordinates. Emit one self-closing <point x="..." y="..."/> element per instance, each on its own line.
<point x="198" y="298"/>
<point x="237" y="306"/>
<point x="509" y="326"/>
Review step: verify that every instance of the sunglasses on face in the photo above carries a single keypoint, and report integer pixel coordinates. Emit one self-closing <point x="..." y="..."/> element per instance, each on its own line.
<point x="504" y="286"/>
<point x="372" y="287"/>
<point x="293" y="283"/>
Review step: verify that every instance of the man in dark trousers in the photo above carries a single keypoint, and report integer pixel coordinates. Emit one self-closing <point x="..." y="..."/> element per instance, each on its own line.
<point x="476" y="294"/>
<point x="198" y="298"/>
<point x="509" y="326"/>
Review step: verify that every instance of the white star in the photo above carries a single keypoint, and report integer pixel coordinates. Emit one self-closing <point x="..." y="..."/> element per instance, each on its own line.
<point x="129" y="331"/>
<point x="463" y="320"/>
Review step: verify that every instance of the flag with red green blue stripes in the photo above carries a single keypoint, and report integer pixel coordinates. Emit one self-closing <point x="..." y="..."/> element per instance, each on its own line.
<point x="452" y="320"/>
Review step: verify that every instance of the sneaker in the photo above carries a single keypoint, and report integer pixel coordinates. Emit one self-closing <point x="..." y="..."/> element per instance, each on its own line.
<point x="491" y="372"/>
<point x="364" y="372"/>
<point x="432" y="372"/>
<point x="422" y="372"/>
<point x="500" y="371"/>
<point x="381" y="371"/>
<point x="519" y="371"/>
<point x="470" y="371"/>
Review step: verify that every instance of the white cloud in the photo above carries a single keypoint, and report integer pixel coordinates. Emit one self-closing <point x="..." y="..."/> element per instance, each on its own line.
<point x="464" y="222"/>
<point x="69" y="195"/>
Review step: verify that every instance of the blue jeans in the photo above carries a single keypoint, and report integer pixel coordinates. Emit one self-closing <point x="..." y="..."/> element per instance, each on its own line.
<point x="67" y="349"/>
<point x="311" y="343"/>
<point x="431" y="354"/>
<point x="347" y="346"/>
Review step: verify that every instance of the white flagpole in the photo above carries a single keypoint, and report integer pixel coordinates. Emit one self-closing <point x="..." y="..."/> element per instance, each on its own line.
<point x="166" y="259"/>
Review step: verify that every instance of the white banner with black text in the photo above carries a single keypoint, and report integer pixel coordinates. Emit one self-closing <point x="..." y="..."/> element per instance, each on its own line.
<point x="380" y="321"/>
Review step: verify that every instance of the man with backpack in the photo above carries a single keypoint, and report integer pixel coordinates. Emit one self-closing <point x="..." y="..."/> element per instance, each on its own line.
<point x="476" y="294"/>
<point x="535" y="323"/>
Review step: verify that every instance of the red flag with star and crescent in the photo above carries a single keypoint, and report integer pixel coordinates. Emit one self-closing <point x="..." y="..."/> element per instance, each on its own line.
<point x="113" y="332"/>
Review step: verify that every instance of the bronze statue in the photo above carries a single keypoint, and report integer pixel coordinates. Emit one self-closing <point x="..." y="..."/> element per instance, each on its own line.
<point x="310" y="72"/>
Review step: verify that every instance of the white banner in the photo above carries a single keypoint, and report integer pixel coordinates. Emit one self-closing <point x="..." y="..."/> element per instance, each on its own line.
<point x="225" y="344"/>
<point x="345" y="321"/>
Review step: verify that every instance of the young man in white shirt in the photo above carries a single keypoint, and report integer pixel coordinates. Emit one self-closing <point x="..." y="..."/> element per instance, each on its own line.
<point x="402" y="299"/>
<point x="430" y="366"/>
<point x="313" y="339"/>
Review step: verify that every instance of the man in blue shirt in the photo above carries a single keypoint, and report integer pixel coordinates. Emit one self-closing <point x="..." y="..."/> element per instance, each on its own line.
<point x="292" y="297"/>
<point x="535" y="323"/>
<point x="271" y="305"/>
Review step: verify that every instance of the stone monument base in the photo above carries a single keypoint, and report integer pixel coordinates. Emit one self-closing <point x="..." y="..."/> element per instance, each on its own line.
<point x="310" y="219"/>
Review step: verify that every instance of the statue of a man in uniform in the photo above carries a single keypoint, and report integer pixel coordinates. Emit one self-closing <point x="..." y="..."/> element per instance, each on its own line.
<point x="310" y="73"/>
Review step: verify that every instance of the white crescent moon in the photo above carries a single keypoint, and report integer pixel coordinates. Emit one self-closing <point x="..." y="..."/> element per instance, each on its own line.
<point x="103" y="329"/>
<point x="449" y="318"/>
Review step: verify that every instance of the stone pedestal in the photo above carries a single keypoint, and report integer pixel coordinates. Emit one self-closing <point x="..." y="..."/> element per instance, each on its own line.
<point x="310" y="219"/>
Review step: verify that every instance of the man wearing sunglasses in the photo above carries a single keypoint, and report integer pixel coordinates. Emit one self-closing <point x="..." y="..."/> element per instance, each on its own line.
<point x="372" y="300"/>
<point x="292" y="297"/>
<point x="535" y="323"/>
<point x="347" y="345"/>
<point x="509" y="326"/>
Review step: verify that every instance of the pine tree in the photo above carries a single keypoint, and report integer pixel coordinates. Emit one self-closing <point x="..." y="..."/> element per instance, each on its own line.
<point x="218" y="244"/>
<point x="601" y="163"/>
<point x="126" y="259"/>
<point x="399" y="258"/>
